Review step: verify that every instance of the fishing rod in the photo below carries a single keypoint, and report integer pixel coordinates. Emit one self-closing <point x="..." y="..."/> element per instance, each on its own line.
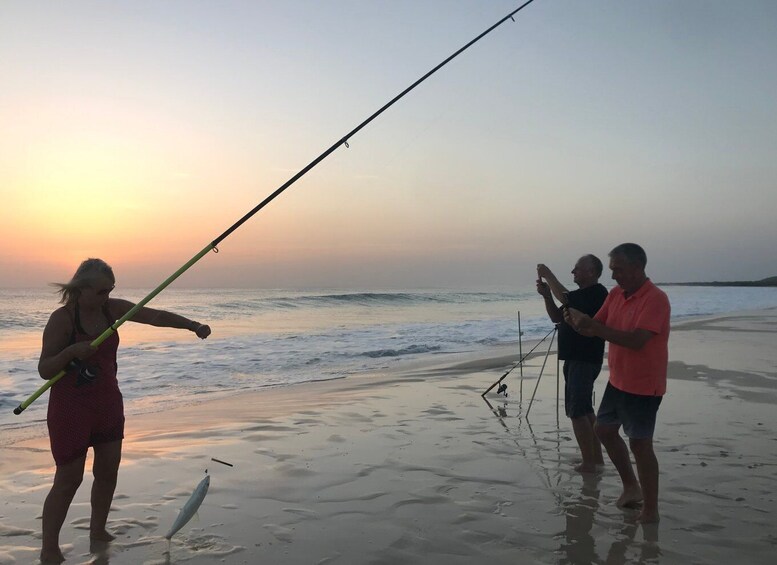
<point x="213" y="246"/>
<point x="520" y="361"/>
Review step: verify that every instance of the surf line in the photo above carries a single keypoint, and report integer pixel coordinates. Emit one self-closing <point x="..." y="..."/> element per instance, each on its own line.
<point x="213" y="246"/>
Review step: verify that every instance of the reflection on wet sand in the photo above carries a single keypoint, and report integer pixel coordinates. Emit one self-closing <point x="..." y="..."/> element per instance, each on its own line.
<point x="581" y="509"/>
<point x="626" y="549"/>
<point x="579" y="545"/>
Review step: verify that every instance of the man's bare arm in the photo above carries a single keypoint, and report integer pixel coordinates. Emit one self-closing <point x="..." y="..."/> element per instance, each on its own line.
<point x="554" y="312"/>
<point x="585" y="325"/>
<point x="558" y="289"/>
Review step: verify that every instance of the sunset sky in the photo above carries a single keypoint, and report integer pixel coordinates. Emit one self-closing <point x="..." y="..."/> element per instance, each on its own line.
<point x="139" y="131"/>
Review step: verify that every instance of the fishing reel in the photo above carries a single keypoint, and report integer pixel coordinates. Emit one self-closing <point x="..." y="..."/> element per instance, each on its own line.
<point x="502" y="389"/>
<point x="85" y="374"/>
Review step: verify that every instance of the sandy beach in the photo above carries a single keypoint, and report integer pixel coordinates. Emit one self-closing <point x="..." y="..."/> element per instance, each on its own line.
<point x="415" y="467"/>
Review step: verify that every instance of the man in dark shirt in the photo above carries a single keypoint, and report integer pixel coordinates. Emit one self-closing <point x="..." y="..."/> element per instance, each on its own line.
<point x="582" y="355"/>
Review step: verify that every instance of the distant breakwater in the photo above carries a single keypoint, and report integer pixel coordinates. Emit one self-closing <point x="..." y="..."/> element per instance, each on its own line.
<point x="769" y="281"/>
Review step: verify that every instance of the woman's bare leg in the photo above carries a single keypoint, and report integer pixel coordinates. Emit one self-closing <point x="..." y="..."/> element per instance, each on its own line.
<point x="67" y="479"/>
<point x="107" y="457"/>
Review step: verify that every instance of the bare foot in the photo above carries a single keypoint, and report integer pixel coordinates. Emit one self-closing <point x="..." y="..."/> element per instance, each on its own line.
<point x="51" y="556"/>
<point x="101" y="536"/>
<point x="630" y="498"/>
<point x="100" y="551"/>
<point x="587" y="468"/>
<point x="648" y="517"/>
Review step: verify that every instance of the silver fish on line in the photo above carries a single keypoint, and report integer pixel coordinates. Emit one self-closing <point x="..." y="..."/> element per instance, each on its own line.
<point x="191" y="506"/>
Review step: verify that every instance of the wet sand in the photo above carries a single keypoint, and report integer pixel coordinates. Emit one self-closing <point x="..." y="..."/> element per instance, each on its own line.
<point x="415" y="467"/>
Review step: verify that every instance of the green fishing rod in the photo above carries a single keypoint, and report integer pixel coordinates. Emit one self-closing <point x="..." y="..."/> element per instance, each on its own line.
<point x="213" y="246"/>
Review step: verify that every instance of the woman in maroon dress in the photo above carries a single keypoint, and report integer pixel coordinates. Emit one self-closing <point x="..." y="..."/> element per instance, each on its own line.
<point x="85" y="406"/>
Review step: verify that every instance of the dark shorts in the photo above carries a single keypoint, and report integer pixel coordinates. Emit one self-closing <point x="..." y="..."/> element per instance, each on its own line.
<point x="579" y="377"/>
<point x="635" y="412"/>
<point x="74" y="427"/>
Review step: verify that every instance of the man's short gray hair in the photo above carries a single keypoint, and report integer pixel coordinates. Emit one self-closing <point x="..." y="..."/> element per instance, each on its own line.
<point x="632" y="252"/>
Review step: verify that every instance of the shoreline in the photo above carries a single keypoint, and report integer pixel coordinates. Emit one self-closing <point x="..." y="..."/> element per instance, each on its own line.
<point x="495" y="356"/>
<point x="490" y="357"/>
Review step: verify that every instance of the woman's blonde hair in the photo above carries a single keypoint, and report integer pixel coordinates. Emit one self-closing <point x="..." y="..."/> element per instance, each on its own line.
<point x="88" y="272"/>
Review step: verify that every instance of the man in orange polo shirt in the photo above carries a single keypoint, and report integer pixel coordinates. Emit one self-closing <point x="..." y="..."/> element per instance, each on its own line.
<point x="635" y="321"/>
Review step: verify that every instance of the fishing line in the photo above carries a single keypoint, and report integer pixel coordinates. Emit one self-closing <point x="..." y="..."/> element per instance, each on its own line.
<point x="213" y="246"/>
<point x="410" y="141"/>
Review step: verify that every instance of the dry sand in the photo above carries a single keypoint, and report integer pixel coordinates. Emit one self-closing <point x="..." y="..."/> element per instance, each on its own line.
<point x="417" y="468"/>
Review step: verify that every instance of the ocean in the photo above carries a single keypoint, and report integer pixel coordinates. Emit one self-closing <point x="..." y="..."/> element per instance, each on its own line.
<point x="265" y="338"/>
